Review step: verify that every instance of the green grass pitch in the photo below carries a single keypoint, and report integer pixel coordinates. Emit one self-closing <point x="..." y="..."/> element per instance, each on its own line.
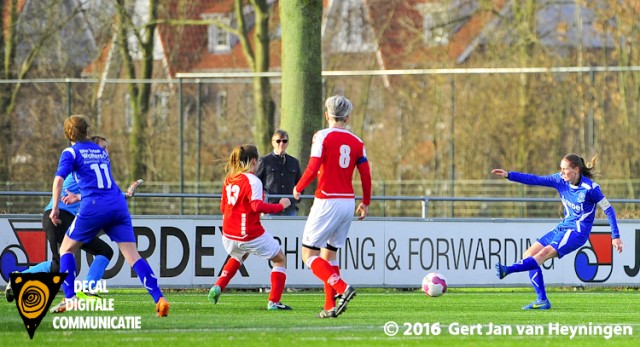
<point x="462" y="317"/>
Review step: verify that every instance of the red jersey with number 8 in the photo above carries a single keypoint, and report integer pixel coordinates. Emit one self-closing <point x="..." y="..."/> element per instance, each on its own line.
<point x="339" y="152"/>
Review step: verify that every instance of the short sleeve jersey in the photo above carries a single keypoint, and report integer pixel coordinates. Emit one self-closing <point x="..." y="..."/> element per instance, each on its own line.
<point x="240" y="221"/>
<point x="91" y="168"/>
<point x="340" y="151"/>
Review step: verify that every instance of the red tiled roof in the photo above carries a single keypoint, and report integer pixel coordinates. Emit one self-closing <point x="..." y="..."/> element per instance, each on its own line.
<point x="5" y="12"/>
<point x="185" y="47"/>
<point x="397" y="24"/>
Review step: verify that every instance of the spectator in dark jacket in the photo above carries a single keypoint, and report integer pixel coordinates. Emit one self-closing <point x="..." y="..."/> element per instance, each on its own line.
<point x="279" y="172"/>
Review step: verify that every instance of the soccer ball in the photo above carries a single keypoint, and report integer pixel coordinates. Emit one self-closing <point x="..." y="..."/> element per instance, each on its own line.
<point x="434" y="284"/>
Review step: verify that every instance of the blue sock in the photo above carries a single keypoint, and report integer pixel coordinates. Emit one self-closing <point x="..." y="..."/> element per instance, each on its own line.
<point x="538" y="283"/>
<point x="96" y="270"/>
<point x="525" y="265"/>
<point x="45" y="266"/>
<point x="68" y="265"/>
<point x="148" y="279"/>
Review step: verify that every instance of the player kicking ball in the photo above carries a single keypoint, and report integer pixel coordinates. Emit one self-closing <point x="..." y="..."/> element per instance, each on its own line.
<point x="580" y="197"/>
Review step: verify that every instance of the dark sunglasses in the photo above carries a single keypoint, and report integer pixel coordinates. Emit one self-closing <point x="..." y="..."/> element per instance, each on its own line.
<point x="283" y="141"/>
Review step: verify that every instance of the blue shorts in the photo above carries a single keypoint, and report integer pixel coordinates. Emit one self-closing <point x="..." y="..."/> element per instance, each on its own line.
<point x="114" y="219"/>
<point x="564" y="240"/>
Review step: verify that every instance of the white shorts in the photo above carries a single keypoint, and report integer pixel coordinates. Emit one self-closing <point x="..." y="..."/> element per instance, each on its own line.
<point x="264" y="246"/>
<point x="328" y="223"/>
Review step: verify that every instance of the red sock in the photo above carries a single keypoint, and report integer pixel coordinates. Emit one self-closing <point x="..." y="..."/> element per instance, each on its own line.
<point x="325" y="272"/>
<point x="228" y="271"/>
<point x="329" y="292"/>
<point x="278" y="278"/>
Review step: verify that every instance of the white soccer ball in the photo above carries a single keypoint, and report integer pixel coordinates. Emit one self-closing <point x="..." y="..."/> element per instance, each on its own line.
<point x="434" y="284"/>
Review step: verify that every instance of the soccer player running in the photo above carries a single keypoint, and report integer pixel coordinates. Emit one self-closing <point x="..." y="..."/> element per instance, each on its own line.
<point x="242" y="233"/>
<point x="335" y="153"/>
<point x="580" y="196"/>
<point x="69" y="205"/>
<point x="103" y="207"/>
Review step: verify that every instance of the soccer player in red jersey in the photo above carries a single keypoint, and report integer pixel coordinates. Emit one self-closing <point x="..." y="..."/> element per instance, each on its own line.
<point x="242" y="233"/>
<point x="335" y="154"/>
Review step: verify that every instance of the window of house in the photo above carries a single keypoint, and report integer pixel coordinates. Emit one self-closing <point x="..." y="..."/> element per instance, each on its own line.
<point x="221" y="104"/>
<point x="128" y="113"/>
<point x="350" y="28"/>
<point x="219" y="40"/>
<point x="435" y="23"/>
<point x="161" y="105"/>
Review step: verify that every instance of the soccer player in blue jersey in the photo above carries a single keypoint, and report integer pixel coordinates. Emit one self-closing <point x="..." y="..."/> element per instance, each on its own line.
<point x="55" y="233"/>
<point x="580" y="196"/>
<point x="103" y="207"/>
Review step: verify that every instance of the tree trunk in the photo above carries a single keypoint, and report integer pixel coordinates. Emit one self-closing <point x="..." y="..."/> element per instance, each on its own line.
<point x="7" y="44"/>
<point x="302" y="112"/>
<point x="139" y="94"/>
<point x="263" y="103"/>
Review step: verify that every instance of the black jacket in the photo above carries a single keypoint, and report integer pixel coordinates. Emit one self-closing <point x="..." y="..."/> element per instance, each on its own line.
<point x="279" y="174"/>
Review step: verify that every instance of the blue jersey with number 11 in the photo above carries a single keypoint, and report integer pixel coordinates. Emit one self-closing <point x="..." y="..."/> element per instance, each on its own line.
<point x="91" y="168"/>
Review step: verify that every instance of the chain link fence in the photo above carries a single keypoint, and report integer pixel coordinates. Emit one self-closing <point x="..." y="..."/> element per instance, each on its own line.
<point x="429" y="133"/>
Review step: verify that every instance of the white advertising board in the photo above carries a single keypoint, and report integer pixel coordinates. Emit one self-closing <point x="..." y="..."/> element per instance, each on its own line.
<point x="187" y="252"/>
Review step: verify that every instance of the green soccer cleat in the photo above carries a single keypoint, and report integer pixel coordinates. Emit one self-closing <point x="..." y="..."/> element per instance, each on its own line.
<point x="275" y="306"/>
<point x="214" y="294"/>
<point x="87" y="296"/>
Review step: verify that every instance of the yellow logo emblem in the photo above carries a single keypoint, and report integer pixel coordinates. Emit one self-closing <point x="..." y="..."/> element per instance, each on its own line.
<point x="36" y="292"/>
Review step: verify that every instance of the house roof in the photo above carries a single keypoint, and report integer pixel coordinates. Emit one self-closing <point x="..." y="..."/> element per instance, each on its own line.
<point x="393" y="30"/>
<point x="186" y="49"/>
<point x="5" y="13"/>
<point x="399" y="27"/>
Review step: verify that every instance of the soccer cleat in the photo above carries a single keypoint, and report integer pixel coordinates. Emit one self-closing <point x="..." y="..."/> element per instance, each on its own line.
<point x="345" y="297"/>
<point x="88" y="296"/>
<point x="162" y="307"/>
<point x="275" y="306"/>
<point x="8" y="292"/>
<point x="214" y="294"/>
<point x="538" y="305"/>
<point x="328" y="313"/>
<point x="61" y="307"/>
<point x="501" y="271"/>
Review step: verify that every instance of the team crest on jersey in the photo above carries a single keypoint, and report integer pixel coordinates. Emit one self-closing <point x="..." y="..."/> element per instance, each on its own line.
<point x="580" y="198"/>
<point x="594" y="260"/>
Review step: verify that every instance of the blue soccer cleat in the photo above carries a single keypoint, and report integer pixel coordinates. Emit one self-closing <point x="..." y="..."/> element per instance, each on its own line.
<point x="501" y="271"/>
<point x="538" y="305"/>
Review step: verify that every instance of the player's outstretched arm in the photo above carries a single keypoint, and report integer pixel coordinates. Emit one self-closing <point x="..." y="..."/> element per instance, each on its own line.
<point x="500" y="172"/>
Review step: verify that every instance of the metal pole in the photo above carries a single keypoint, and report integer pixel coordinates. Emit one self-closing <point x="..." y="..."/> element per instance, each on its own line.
<point x="452" y="143"/>
<point x="590" y="121"/>
<point x="180" y="144"/>
<point x="68" y="86"/>
<point x="198" y="140"/>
